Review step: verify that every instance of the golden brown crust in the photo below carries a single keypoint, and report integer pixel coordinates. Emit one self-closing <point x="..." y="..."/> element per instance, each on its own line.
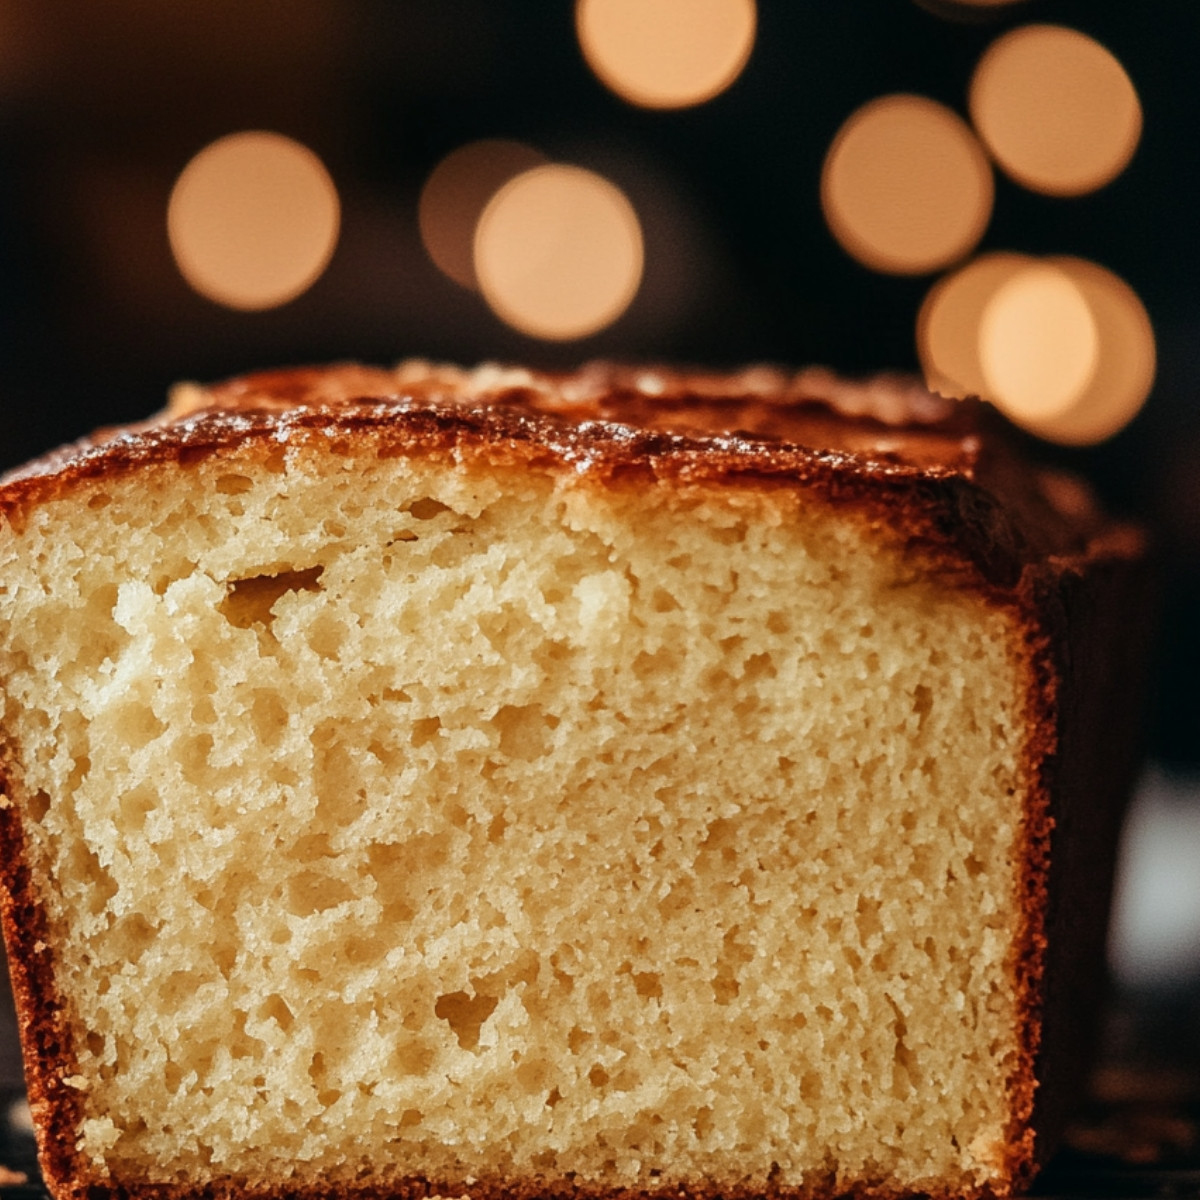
<point x="42" y="1013"/>
<point x="940" y="477"/>
<point x="1028" y="967"/>
<point x="419" y="1188"/>
<point x="942" y="474"/>
<point x="1096" y="660"/>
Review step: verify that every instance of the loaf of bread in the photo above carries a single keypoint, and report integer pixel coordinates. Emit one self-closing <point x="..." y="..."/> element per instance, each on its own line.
<point x="478" y="783"/>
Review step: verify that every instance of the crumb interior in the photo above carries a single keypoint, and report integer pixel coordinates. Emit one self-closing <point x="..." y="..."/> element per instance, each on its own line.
<point x="471" y="822"/>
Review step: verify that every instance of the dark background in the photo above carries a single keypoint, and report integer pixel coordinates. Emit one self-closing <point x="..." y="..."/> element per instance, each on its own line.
<point x="102" y="103"/>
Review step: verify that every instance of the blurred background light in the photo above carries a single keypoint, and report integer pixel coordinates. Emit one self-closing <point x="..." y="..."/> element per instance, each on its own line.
<point x="457" y="192"/>
<point x="1038" y="344"/>
<point x="906" y="187"/>
<point x="1155" y="937"/>
<point x="558" y="252"/>
<point x="253" y="220"/>
<point x="1056" y="109"/>
<point x="949" y="320"/>
<point x="968" y="11"/>
<point x="1125" y="359"/>
<point x="988" y="4"/>
<point x="666" y="53"/>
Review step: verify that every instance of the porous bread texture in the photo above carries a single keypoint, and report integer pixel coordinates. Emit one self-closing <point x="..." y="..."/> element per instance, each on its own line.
<point x="395" y="818"/>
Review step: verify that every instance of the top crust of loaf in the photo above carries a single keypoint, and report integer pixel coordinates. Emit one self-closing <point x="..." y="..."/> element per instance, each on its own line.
<point x="943" y="473"/>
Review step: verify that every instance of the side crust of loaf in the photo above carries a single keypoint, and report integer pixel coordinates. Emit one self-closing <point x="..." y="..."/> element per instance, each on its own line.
<point x="946" y="525"/>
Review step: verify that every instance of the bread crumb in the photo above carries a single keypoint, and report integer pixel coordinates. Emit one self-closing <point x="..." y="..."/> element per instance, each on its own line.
<point x="99" y="1134"/>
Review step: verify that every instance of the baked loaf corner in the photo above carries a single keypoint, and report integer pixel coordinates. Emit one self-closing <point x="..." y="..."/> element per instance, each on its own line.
<point x="425" y="781"/>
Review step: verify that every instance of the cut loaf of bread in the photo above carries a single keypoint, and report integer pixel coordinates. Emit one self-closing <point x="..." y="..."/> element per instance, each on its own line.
<point x="429" y="782"/>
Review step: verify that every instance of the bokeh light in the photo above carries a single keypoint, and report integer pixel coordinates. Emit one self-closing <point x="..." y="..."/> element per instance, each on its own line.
<point x="906" y="187"/>
<point x="1039" y="331"/>
<point x="1125" y="362"/>
<point x="1038" y="344"/>
<point x="967" y="9"/>
<point x="253" y="220"/>
<point x="558" y="252"/>
<point x="666" y="53"/>
<point x="457" y="192"/>
<point x="949" y="320"/>
<point x="1056" y="109"/>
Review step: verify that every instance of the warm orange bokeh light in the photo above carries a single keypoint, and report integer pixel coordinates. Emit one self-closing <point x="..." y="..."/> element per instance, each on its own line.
<point x="666" y="53"/>
<point x="1056" y="109"/>
<point x="1038" y="344"/>
<point x="948" y="7"/>
<point x="253" y="220"/>
<point x="1125" y="362"/>
<point x="949" y="320"/>
<point x="558" y="252"/>
<point x="457" y="192"/>
<point x="967" y="10"/>
<point x="906" y="187"/>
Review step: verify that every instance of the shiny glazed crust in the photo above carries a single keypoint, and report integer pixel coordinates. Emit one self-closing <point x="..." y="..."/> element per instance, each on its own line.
<point x="941" y="478"/>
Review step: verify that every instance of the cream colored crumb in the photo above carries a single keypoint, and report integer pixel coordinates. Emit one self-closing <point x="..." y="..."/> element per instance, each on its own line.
<point x="632" y="837"/>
